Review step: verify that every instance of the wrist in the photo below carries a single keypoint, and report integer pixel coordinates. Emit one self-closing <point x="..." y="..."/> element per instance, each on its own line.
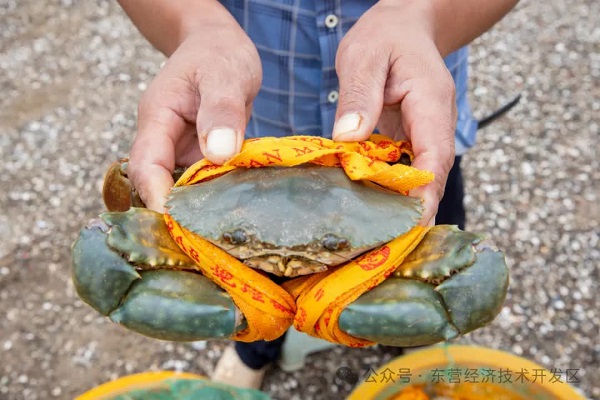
<point x="443" y="22"/>
<point x="166" y="24"/>
<point x="453" y="24"/>
<point x="450" y="24"/>
<point x="417" y="18"/>
<point x="206" y="16"/>
<point x="443" y="16"/>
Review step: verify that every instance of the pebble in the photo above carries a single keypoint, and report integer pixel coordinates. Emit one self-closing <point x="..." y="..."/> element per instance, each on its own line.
<point x="72" y="74"/>
<point x="199" y="345"/>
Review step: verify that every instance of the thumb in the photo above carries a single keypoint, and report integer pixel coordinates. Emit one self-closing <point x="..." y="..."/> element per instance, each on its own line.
<point x="362" y="83"/>
<point x="221" y="125"/>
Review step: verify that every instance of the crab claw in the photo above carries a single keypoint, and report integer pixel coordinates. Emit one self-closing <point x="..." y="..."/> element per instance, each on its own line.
<point x="118" y="192"/>
<point x="117" y="263"/>
<point x="127" y="267"/>
<point x="452" y="283"/>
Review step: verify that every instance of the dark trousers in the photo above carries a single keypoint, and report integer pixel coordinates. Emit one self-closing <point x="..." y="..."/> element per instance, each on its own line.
<point x="451" y="212"/>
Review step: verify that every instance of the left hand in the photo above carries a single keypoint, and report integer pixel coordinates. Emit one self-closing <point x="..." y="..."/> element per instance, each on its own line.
<point x="392" y="76"/>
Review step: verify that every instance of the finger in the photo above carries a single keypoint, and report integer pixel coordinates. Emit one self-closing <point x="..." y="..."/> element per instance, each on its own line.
<point x="425" y="90"/>
<point x="156" y="183"/>
<point x="390" y="123"/>
<point x="432" y="139"/>
<point x="187" y="148"/>
<point x="152" y="155"/>
<point x="433" y="146"/>
<point x="221" y="125"/>
<point x="225" y="106"/>
<point x="362" y="76"/>
<point x="431" y="196"/>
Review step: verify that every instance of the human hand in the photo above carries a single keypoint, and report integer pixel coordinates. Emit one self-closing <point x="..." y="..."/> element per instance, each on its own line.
<point x="392" y="76"/>
<point x="198" y="105"/>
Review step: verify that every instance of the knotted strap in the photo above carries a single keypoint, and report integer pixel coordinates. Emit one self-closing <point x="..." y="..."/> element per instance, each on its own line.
<point x="310" y="302"/>
<point x="322" y="297"/>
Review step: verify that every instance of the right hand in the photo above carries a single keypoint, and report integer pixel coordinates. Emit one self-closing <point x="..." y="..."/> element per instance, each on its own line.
<point x="197" y="106"/>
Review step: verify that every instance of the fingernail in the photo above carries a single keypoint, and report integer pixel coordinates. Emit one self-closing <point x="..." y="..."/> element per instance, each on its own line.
<point x="221" y="142"/>
<point x="347" y="124"/>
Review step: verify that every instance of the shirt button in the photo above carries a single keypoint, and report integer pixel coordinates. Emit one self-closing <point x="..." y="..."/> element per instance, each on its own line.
<point x="331" y="21"/>
<point x="332" y="96"/>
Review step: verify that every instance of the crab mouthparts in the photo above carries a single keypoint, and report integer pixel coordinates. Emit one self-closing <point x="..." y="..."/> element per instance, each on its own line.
<point x="290" y="266"/>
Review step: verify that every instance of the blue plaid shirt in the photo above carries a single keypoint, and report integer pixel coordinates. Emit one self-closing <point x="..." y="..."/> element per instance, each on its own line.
<point x="297" y="41"/>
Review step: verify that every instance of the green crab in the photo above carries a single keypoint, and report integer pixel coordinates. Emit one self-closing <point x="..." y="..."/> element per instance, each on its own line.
<point x="286" y="222"/>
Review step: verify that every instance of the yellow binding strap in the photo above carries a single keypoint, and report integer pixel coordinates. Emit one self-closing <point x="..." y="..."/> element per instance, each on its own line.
<point x="312" y="303"/>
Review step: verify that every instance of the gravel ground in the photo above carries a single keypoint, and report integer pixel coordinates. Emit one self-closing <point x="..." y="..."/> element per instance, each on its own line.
<point x="71" y="76"/>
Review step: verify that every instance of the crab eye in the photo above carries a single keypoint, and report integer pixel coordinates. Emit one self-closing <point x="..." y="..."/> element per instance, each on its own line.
<point x="333" y="243"/>
<point x="236" y="237"/>
<point x="404" y="159"/>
